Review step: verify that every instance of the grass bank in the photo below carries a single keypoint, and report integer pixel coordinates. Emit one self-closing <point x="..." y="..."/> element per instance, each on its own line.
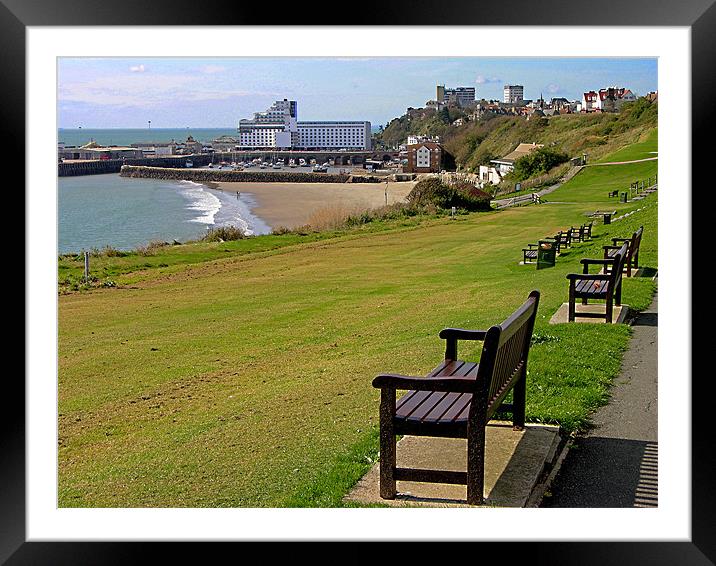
<point x="245" y="380"/>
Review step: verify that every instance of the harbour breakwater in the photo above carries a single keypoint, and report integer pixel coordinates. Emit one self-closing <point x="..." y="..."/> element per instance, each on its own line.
<point x="104" y="166"/>
<point x="205" y="175"/>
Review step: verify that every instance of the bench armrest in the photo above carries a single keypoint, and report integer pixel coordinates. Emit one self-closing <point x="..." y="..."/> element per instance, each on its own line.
<point x="449" y="384"/>
<point x="615" y="240"/>
<point x="589" y="261"/>
<point x="452" y="335"/>
<point x="462" y="334"/>
<point x="594" y="276"/>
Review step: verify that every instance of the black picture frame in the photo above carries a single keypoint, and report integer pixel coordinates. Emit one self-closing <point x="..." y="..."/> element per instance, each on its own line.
<point x="698" y="15"/>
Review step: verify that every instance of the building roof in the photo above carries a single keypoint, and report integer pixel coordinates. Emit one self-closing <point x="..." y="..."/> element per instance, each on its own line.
<point x="520" y="151"/>
<point x="429" y="145"/>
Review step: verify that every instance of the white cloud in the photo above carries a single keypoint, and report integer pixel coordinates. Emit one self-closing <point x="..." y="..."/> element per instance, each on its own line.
<point x="482" y="80"/>
<point x="137" y="68"/>
<point x="145" y="90"/>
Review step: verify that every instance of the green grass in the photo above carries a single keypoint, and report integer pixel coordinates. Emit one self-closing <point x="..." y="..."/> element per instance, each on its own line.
<point x="245" y="381"/>
<point x="133" y="266"/>
<point x="642" y="150"/>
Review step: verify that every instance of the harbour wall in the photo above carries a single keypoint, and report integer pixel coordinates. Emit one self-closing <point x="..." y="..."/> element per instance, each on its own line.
<point x="103" y="166"/>
<point x="203" y="175"/>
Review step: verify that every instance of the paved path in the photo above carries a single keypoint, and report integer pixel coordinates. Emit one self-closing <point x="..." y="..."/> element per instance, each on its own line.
<point x="503" y="203"/>
<point x="622" y="162"/>
<point x="615" y="464"/>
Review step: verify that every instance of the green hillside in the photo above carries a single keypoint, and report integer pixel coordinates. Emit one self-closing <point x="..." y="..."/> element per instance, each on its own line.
<point x="477" y="142"/>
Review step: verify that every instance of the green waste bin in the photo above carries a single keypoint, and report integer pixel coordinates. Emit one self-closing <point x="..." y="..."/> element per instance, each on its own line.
<point x="623" y="197"/>
<point x="546" y="254"/>
<point x="607" y="217"/>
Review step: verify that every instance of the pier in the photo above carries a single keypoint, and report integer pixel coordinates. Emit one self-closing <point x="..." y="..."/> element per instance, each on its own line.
<point x="338" y="158"/>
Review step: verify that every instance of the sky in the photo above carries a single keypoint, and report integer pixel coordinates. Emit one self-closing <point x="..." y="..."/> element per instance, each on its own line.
<point x="122" y="92"/>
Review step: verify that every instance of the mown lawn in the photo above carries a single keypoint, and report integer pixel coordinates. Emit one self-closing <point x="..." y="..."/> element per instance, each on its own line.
<point x="245" y="381"/>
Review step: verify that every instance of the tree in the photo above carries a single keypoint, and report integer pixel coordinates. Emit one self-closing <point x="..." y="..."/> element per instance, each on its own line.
<point x="444" y="115"/>
<point x="537" y="162"/>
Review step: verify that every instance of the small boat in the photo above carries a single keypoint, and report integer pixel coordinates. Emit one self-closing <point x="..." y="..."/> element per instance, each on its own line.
<point x="276" y="165"/>
<point x="302" y="162"/>
<point x="189" y="163"/>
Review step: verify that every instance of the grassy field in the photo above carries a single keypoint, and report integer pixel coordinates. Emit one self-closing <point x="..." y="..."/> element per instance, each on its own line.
<point x="245" y="380"/>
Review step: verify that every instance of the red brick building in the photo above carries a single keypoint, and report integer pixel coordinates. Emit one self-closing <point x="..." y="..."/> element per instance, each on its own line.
<point x="425" y="157"/>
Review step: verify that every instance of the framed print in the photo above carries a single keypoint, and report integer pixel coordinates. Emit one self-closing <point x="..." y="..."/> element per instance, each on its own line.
<point x="200" y="349"/>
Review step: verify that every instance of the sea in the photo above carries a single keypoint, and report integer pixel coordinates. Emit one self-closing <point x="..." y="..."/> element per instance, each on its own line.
<point x="95" y="211"/>
<point x="127" y="136"/>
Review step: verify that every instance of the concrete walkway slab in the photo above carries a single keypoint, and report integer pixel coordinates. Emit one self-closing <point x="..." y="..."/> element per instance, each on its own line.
<point x="619" y="314"/>
<point x="516" y="465"/>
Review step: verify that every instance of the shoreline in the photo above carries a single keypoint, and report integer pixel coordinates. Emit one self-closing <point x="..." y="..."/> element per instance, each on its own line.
<point x="292" y="204"/>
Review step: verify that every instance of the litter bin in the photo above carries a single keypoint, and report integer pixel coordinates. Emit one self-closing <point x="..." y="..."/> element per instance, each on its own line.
<point x="608" y="217"/>
<point x="623" y="198"/>
<point x="546" y="254"/>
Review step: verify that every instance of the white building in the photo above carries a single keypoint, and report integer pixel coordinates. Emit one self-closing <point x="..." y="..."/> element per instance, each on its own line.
<point x="278" y="127"/>
<point x="512" y="94"/>
<point x="334" y="135"/>
<point x="607" y="99"/>
<point x="498" y="168"/>
<point x="413" y="140"/>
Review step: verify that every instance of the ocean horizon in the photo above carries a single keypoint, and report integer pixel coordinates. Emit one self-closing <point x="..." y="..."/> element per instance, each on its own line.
<point x="128" y="136"/>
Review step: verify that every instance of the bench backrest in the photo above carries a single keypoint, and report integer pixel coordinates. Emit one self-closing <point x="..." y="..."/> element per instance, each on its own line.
<point x="635" y="243"/>
<point x="504" y="356"/>
<point x="620" y="259"/>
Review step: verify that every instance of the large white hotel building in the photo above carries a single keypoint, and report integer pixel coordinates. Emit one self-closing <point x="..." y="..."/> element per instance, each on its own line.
<point x="278" y="127"/>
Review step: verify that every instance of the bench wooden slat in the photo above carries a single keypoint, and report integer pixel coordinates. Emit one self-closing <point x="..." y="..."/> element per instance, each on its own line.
<point x="459" y="409"/>
<point x="429" y="406"/>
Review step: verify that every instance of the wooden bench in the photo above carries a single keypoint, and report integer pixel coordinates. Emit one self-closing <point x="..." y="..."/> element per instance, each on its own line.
<point x="564" y="239"/>
<point x="632" y="257"/>
<point x="457" y="399"/>
<point x="605" y="286"/>
<point x="529" y="254"/>
<point x="577" y="234"/>
<point x="613" y="193"/>
<point x="587" y="231"/>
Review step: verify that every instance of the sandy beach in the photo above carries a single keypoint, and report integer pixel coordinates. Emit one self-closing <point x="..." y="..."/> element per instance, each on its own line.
<point x="293" y="204"/>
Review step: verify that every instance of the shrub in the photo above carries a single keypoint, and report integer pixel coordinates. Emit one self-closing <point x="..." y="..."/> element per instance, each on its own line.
<point x="107" y="251"/>
<point x="151" y="248"/>
<point x="223" y="234"/>
<point x="432" y="191"/>
<point x="539" y="161"/>
<point x="330" y="217"/>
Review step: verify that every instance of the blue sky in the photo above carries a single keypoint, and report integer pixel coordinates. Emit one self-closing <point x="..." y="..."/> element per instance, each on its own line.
<point x="202" y="92"/>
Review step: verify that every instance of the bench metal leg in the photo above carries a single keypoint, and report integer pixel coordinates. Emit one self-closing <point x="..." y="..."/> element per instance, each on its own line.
<point x="387" y="444"/>
<point x="475" y="464"/>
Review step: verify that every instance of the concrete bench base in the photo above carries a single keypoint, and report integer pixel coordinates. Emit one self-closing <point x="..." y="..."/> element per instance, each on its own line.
<point x="517" y="464"/>
<point x="619" y="313"/>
